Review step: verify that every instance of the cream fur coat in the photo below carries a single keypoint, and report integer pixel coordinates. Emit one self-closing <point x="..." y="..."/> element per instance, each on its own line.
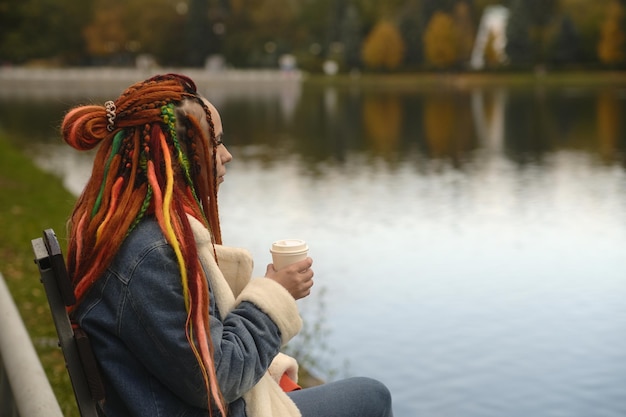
<point x="231" y="284"/>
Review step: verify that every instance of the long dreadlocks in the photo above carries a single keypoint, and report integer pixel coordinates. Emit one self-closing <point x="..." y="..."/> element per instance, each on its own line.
<point x="148" y="164"/>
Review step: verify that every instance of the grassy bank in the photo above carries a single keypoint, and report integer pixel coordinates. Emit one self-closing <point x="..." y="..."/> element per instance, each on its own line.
<point x="30" y="201"/>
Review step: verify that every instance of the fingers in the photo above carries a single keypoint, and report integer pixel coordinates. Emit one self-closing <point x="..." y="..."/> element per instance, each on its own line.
<point x="296" y="278"/>
<point x="305" y="281"/>
<point x="301" y="266"/>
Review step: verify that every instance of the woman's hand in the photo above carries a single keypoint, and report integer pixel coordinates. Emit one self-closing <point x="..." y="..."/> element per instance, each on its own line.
<point x="297" y="278"/>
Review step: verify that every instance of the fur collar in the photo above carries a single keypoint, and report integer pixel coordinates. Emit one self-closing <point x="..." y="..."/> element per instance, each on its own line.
<point x="231" y="284"/>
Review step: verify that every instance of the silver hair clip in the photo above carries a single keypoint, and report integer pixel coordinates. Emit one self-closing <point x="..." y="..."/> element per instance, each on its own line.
<point x="110" y="108"/>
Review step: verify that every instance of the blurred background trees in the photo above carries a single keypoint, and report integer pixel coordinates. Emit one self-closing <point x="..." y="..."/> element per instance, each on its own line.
<point x="357" y="35"/>
<point x="383" y="47"/>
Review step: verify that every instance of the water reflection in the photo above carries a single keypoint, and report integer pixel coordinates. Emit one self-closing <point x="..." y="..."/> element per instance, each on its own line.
<point x="448" y="126"/>
<point x="382" y="123"/>
<point x="327" y="124"/>
<point x="330" y="123"/>
<point x="610" y="114"/>
<point x="470" y="243"/>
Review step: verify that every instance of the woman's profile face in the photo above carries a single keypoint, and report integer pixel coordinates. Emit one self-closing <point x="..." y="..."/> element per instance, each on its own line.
<point x="223" y="157"/>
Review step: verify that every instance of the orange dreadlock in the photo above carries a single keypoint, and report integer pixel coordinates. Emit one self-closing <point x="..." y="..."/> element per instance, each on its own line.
<point x="143" y="167"/>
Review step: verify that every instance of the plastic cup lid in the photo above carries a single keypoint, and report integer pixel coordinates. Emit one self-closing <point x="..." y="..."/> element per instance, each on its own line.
<point x="289" y="245"/>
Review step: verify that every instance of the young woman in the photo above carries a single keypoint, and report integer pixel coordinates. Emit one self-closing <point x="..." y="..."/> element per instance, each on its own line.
<point x="177" y="325"/>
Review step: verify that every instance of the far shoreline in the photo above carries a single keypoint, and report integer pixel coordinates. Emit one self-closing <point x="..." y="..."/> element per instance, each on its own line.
<point x="30" y="82"/>
<point x="471" y="79"/>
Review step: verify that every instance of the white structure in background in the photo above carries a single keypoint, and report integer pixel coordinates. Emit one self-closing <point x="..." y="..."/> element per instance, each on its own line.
<point x="494" y="22"/>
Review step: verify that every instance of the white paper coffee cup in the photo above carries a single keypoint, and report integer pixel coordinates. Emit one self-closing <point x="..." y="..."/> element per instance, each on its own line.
<point x="288" y="251"/>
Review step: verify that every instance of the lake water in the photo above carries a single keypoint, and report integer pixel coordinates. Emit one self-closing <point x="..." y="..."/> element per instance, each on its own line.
<point x="469" y="245"/>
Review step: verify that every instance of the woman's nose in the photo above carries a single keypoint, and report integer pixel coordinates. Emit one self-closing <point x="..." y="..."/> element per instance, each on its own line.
<point x="225" y="156"/>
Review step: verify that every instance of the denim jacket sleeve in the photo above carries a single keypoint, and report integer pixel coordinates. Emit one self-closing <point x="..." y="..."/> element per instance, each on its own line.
<point x="151" y="321"/>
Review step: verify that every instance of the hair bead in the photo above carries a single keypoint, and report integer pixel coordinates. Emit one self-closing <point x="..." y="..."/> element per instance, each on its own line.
<point x="110" y="110"/>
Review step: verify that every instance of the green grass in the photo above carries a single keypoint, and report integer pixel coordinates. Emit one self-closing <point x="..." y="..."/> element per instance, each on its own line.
<point x="31" y="201"/>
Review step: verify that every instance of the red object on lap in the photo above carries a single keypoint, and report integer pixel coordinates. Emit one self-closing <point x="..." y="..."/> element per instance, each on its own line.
<point x="288" y="384"/>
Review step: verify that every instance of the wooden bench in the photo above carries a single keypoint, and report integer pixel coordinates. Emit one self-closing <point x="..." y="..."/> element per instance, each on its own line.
<point x="79" y="359"/>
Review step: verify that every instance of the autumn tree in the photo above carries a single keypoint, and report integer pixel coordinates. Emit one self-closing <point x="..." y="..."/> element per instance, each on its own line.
<point x="441" y="41"/>
<point x="119" y="30"/>
<point x="430" y="7"/>
<point x="612" y="44"/>
<point x="384" y="47"/>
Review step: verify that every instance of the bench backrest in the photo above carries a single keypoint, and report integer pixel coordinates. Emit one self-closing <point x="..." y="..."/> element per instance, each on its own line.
<point x="79" y="359"/>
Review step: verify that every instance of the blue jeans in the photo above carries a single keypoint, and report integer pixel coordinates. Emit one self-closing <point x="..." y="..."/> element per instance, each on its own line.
<point x="352" y="397"/>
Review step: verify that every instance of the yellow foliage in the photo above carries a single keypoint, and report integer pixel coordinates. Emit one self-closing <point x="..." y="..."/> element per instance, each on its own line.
<point x="441" y="41"/>
<point x="612" y="45"/>
<point x="383" y="47"/>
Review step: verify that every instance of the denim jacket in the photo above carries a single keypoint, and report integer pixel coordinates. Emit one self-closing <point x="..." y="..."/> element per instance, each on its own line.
<point x="135" y="317"/>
